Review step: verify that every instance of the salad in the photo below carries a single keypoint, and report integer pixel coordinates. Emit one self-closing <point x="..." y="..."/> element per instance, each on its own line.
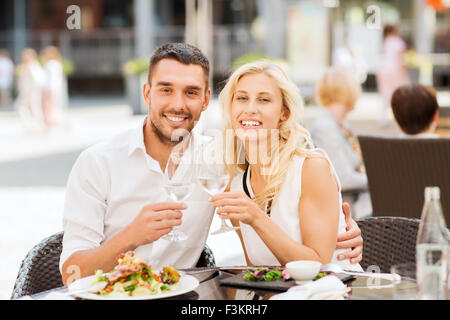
<point x="134" y="277"/>
<point x="266" y="274"/>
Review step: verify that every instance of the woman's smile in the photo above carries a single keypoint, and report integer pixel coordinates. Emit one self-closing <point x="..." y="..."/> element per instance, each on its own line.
<point x="249" y="123"/>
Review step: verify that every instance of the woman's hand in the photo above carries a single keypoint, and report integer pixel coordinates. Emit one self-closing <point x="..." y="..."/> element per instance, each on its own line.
<point x="350" y="239"/>
<point x="237" y="205"/>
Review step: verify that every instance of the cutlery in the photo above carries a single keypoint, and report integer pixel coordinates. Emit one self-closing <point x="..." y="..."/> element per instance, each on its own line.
<point x="337" y="269"/>
<point x="192" y="271"/>
<point x="203" y="275"/>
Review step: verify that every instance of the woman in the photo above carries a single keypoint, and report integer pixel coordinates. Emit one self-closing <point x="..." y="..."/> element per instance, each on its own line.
<point x="337" y="93"/>
<point x="292" y="210"/>
<point x="392" y="73"/>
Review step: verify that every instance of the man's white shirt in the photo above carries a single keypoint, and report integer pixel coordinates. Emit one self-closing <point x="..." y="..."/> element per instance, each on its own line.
<point x="109" y="185"/>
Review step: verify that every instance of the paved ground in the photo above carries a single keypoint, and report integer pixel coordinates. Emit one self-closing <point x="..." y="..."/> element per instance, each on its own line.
<point x="34" y="169"/>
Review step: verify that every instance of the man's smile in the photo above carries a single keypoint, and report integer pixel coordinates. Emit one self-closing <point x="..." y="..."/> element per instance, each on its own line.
<point x="175" y="120"/>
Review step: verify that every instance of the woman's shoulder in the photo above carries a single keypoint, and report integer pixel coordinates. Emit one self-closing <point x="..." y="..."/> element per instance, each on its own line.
<point x="315" y="162"/>
<point x="310" y="154"/>
<point x="317" y="169"/>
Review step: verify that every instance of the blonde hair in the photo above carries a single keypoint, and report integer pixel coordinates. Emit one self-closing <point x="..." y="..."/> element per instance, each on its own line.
<point x="337" y="85"/>
<point x="293" y="139"/>
<point x="29" y="53"/>
<point x="51" y="53"/>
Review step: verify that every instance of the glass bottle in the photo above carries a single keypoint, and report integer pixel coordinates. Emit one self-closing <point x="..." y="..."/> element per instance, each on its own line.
<point x="432" y="249"/>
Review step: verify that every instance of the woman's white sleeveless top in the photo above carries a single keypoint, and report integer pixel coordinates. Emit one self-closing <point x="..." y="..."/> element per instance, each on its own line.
<point x="285" y="214"/>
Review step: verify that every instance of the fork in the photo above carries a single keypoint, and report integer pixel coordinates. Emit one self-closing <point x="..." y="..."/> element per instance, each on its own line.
<point x="337" y="269"/>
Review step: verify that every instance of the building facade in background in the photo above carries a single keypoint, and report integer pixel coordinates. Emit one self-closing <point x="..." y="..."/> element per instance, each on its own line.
<point x="303" y="33"/>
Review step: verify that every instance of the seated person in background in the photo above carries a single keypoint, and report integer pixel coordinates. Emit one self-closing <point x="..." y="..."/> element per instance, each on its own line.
<point x="338" y="91"/>
<point x="416" y="110"/>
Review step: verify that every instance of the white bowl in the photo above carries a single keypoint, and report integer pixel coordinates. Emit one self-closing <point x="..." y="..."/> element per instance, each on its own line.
<point x="303" y="270"/>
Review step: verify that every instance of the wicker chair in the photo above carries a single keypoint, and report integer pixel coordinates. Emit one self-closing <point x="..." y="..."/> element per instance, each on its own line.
<point x="39" y="270"/>
<point x="388" y="241"/>
<point x="399" y="169"/>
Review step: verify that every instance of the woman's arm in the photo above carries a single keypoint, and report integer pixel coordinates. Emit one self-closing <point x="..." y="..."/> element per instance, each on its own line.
<point x="319" y="218"/>
<point x="318" y="213"/>
<point x="319" y="207"/>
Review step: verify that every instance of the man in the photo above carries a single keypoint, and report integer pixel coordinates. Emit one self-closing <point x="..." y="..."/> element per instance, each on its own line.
<point x="115" y="199"/>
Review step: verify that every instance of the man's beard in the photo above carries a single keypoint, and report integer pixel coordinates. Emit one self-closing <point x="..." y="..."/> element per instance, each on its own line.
<point x="177" y="135"/>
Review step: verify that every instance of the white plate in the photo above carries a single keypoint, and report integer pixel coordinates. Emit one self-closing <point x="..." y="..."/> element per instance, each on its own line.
<point x="186" y="284"/>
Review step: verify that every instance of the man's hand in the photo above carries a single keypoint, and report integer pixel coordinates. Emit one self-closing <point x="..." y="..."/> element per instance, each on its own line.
<point x="350" y="239"/>
<point x="154" y="221"/>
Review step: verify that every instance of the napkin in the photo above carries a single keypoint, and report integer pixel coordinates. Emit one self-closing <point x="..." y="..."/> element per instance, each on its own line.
<point x="323" y="288"/>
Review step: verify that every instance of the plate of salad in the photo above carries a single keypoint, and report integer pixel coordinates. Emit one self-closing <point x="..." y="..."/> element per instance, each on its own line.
<point x="133" y="279"/>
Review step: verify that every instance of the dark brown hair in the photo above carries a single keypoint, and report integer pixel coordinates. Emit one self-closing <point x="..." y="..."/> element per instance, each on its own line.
<point x="181" y="52"/>
<point x="414" y="107"/>
<point x="388" y="30"/>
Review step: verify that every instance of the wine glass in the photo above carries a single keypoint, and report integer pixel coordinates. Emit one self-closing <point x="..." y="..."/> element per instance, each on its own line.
<point x="179" y="182"/>
<point x="213" y="175"/>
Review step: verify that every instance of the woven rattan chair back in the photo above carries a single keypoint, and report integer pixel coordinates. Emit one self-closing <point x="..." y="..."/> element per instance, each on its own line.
<point x="39" y="270"/>
<point x="388" y="241"/>
<point x="399" y="169"/>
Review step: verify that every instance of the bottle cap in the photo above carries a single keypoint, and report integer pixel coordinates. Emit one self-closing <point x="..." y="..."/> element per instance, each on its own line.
<point x="432" y="193"/>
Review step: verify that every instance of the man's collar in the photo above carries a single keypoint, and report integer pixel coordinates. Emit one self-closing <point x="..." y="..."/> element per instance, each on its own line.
<point x="137" y="139"/>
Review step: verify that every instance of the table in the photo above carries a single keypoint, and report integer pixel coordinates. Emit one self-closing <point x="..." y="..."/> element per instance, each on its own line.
<point x="211" y="289"/>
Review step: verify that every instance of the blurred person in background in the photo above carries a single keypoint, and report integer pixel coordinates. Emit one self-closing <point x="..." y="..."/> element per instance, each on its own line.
<point x="416" y="110"/>
<point x="350" y="56"/>
<point x="6" y="77"/>
<point x="337" y="92"/>
<point x="31" y="78"/>
<point x="392" y="73"/>
<point x="54" y="90"/>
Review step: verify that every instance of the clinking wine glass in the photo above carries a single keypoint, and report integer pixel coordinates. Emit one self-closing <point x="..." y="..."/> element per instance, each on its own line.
<point x="213" y="176"/>
<point x="179" y="183"/>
